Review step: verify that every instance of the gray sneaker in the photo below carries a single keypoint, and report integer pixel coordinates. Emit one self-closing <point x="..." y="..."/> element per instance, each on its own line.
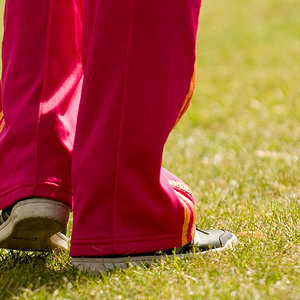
<point x="205" y="241"/>
<point x="34" y="224"/>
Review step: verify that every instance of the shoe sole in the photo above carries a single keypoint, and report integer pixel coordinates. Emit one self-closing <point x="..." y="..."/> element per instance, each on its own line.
<point x="97" y="264"/>
<point x="35" y="225"/>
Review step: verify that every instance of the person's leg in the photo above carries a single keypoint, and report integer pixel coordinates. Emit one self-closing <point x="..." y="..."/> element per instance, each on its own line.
<point x="40" y="92"/>
<point x="41" y="85"/>
<point x="139" y="59"/>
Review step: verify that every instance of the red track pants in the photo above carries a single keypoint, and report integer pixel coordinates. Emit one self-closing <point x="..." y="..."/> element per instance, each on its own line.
<point x="121" y="73"/>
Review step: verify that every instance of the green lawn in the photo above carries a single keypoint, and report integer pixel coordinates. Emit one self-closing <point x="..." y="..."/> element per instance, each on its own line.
<point x="239" y="149"/>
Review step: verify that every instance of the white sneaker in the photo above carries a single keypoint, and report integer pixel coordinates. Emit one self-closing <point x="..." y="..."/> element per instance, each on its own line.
<point x="34" y="224"/>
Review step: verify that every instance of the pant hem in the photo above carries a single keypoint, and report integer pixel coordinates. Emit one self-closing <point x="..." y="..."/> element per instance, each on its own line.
<point x="47" y="190"/>
<point x="125" y="247"/>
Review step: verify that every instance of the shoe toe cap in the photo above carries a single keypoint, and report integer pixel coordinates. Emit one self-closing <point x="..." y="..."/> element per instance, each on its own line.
<point x="225" y="238"/>
<point x="210" y="239"/>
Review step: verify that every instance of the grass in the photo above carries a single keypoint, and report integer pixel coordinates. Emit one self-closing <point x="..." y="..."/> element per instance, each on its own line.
<point x="239" y="149"/>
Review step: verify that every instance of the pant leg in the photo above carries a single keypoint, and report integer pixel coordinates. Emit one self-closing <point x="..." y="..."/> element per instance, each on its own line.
<point x="139" y="61"/>
<point x="41" y="85"/>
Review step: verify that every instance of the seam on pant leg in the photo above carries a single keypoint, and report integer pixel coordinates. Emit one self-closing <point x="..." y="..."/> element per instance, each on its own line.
<point x="115" y="193"/>
<point x="42" y="93"/>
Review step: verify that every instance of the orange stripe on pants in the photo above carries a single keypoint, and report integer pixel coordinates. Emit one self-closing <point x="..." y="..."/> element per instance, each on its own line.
<point x="189" y="96"/>
<point x="2" y="121"/>
<point x="186" y="223"/>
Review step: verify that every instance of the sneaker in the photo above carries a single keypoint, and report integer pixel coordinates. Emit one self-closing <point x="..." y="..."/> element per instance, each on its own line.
<point x="34" y="224"/>
<point x="205" y="241"/>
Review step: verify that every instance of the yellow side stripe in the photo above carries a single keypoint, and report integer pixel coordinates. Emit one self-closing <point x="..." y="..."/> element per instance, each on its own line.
<point x="178" y="187"/>
<point x="1" y="115"/>
<point x="2" y="125"/>
<point x="188" y="98"/>
<point x="191" y="204"/>
<point x="188" y="204"/>
<point x="186" y="222"/>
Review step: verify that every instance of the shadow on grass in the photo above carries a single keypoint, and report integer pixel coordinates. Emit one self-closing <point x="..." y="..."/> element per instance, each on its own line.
<point x="25" y="273"/>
